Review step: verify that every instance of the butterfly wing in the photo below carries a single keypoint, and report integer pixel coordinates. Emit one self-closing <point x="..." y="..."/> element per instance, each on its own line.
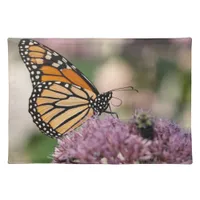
<point x="59" y="107"/>
<point x="44" y="64"/>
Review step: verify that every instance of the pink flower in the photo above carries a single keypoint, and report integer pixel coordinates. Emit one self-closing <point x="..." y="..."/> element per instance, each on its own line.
<point x="143" y="139"/>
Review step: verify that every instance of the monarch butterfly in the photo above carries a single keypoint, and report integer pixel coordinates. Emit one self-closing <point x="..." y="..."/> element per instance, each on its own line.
<point x="62" y="98"/>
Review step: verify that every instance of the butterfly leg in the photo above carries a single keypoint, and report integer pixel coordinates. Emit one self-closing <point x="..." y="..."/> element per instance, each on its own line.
<point x="110" y="112"/>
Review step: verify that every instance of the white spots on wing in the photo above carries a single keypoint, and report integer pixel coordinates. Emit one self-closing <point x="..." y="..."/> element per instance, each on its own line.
<point x="55" y="54"/>
<point x="32" y="79"/>
<point x="22" y="54"/>
<point x="39" y="86"/>
<point x="27" y="63"/>
<point x="26" y="46"/>
<point x="66" y="85"/>
<point x="60" y="62"/>
<point x="28" y="59"/>
<point x="48" y="57"/>
<point x="37" y="77"/>
<point x="73" y="67"/>
<point x="55" y="64"/>
<point x="68" y="67"/>
<point x="49" y="53"/>
<point x="26" y="52"/>
<point x="30" y="43"/>
<point x="77" y="86"/>
<point x="39" y="89"/>
<point x="49" y="83"/>
<point x="64" y="60"/>
<point x="21" y="47"/>
<point x="34" y="83"/>
<point x="58" y="82"/>
<point x="35" y="42"/>
<point x="34" y="117"/>
<point x="38" y="72"/>
<point x="34" y="66"/>
<point x="32" y="72"/>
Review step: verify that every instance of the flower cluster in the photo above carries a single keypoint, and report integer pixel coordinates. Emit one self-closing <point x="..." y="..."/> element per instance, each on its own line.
<point x="143" y="139"/>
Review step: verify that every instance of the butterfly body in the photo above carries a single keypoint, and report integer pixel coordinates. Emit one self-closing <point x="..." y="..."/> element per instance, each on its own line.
<point x="63" y="98"/>
<point x="101" y="102"/>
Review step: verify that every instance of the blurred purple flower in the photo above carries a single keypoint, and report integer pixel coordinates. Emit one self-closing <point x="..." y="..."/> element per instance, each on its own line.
<point x="143" y="139"/>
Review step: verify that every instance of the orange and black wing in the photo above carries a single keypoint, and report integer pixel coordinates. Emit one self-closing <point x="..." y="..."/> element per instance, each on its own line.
<point x="44" y="64"/>
<point x="59" y="107"/>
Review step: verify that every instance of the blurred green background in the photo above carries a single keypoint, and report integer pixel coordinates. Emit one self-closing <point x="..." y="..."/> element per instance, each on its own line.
<point x="159" y="68"/>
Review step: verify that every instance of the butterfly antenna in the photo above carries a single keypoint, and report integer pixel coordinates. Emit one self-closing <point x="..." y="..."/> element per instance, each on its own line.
<point x="128" y="88"/>
<point x="118" y="104"/>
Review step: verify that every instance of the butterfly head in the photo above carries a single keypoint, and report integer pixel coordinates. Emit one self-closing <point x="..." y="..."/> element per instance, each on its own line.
<point x="101" y="102"/>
